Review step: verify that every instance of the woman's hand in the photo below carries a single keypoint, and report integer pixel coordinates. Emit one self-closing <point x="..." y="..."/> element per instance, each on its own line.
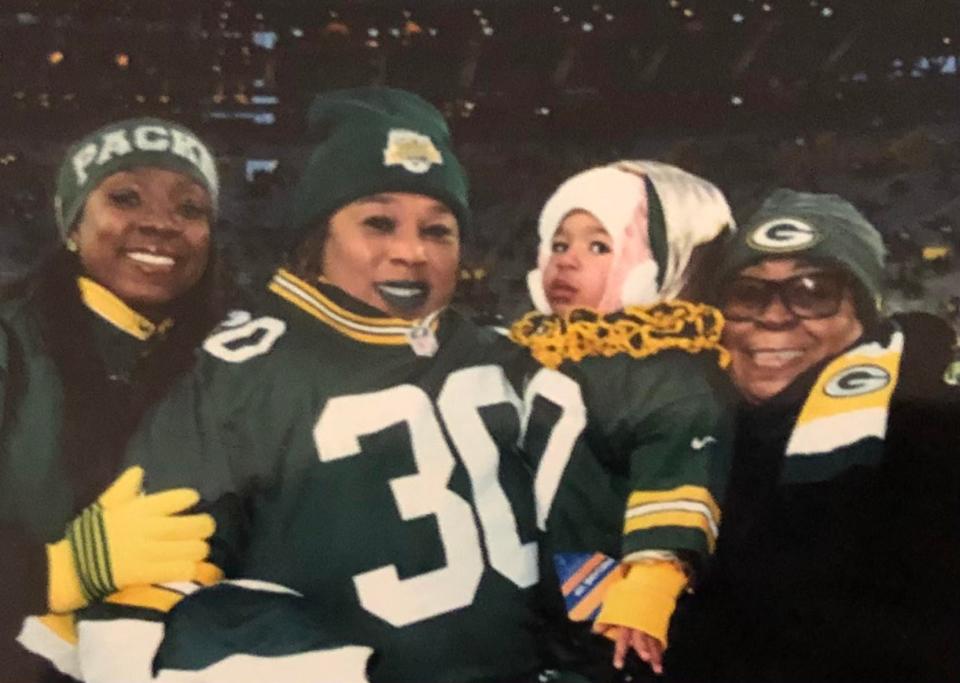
<point x="127" y="538"/>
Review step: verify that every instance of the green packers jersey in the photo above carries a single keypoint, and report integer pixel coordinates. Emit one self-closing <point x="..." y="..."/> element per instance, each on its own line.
<point x="372" y="466"/>
<point x="633" y="431"/>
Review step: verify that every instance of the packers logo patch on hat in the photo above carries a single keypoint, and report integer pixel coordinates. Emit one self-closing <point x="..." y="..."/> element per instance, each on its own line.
<point x="856" y="381"/>
<point x="783" y="235"/>
<point x="414" y="151"/>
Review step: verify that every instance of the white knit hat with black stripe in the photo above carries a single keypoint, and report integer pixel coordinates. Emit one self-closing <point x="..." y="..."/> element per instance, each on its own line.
<point x="646" y="207"/>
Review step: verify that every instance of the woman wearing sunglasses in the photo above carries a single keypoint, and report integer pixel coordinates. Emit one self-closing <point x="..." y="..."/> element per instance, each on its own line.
<point x="839" y="548"/>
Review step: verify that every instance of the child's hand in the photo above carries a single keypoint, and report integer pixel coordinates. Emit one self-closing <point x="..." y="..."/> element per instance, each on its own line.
<point x="647" y="647"/>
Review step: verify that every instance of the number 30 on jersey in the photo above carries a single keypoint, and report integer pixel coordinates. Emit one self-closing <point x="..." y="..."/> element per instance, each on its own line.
<point x="345" y="419"/>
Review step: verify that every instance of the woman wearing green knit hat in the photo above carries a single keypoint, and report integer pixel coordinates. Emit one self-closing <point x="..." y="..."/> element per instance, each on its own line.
<point x="837" y="559"/>
<point x="357" y="436"/>
<point x="87" y="343"/>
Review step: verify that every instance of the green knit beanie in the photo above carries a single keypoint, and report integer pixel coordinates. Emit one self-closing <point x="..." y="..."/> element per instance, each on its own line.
<point x="372" y="140"/>
<point x="823" y="228"/>
<point x="125" y="145"/>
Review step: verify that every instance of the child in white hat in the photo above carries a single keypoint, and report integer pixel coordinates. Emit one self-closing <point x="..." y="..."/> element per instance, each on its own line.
<point x="630" y="510"/>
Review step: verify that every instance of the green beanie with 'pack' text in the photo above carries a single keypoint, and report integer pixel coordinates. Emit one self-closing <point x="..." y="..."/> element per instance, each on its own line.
<point x="124" y="145"/>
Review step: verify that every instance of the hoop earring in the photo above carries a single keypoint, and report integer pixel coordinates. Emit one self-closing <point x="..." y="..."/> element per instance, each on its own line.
<point x="71" y="245"/>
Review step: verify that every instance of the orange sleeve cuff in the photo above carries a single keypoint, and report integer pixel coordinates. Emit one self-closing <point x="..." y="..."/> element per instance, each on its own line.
<point x="644" y="599"/>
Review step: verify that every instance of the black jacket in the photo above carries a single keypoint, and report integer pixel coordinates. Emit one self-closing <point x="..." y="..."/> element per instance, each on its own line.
<point x="851" y="578"/>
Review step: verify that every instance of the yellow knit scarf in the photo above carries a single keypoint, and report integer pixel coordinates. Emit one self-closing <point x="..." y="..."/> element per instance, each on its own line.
<point x="639" y="331"/>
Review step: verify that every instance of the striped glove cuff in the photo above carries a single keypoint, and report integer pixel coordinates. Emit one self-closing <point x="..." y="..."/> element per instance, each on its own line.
<point x="87" y="535"/>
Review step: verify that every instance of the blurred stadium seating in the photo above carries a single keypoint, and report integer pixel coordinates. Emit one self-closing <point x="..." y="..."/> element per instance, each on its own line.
<point x="858" y="97"/>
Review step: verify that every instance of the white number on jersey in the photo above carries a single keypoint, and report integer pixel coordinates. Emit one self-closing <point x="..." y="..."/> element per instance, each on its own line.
<point x="337" y="435"/>
<point x="564" y="393"/>
<point x="239" y="339"/>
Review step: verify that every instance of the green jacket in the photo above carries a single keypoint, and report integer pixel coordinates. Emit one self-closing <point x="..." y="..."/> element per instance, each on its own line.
<point x="48" y="471"/>
<point x="77" y="370"/>
<point x="645" y="476"/>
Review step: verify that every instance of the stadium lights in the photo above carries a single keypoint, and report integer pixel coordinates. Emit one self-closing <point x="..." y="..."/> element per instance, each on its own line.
<point x="373" y="32"/>
<point x="587" y="27"/>
<point x="608" y="16"/>
<point x="826" y="12"/>
<point x="55" y="57"/>
<point x="542" y="111"/>
<point x="688" y="13"/>
<point x="736" y="100"/>
<point x="488" y="30"/>
<point x="947" y="40"/>
<point x="296" y="32"/>
<point x="738" y="18"/>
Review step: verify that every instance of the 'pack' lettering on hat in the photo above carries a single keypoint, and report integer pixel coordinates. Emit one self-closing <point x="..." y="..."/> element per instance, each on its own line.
<point x="783" y="234"/>
<point x="146" y="138"/>
<point x="414" y="151"/>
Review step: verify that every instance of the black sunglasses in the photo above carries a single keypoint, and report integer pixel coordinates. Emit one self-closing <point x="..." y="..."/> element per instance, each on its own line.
<point x="807" y="296"/>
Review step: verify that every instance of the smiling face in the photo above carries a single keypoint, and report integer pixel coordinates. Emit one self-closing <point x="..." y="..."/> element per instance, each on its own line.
<point x="581" y="255"/>
<point x="395" y="251"/>
<point x="144" y="234"/>
<point x="770" y="351"/>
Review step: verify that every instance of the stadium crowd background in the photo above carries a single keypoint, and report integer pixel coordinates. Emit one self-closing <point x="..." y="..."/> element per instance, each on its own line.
<point x="857" y="97"/>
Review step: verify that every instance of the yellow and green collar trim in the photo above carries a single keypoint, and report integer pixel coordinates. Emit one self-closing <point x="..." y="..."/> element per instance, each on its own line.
<point x="637" y="331"/>
<point x="367" y="329"/>
<point x="111" y="308"/>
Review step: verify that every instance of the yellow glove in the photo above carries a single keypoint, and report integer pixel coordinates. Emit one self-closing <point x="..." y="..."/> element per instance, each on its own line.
<point x="127" y="538"/>
<point x="644" y="599"/>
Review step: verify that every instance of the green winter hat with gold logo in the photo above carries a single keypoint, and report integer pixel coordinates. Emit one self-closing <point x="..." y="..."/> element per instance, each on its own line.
<point x="371" y="140"/>
<point x="823" y="228"/>
<point x="124" y="145"/>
